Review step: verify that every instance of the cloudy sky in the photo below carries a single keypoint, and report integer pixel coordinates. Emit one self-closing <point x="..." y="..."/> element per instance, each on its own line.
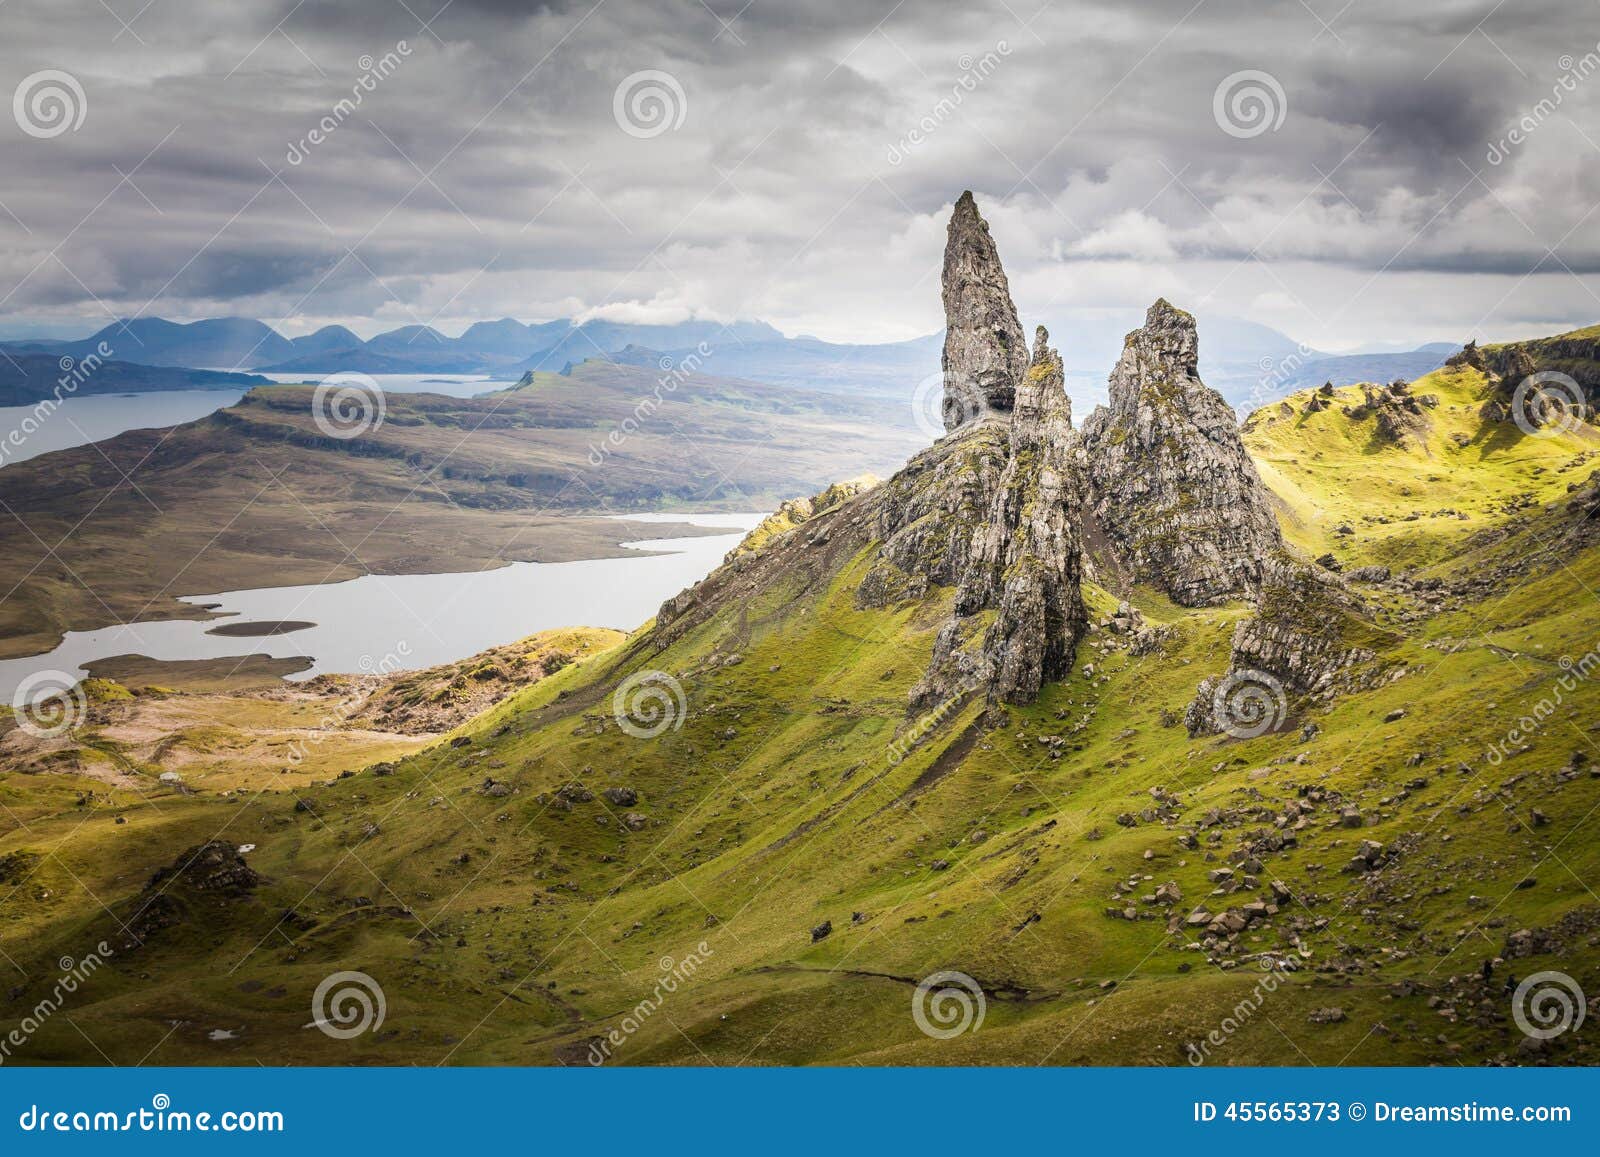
<point x="1343" y="171"/>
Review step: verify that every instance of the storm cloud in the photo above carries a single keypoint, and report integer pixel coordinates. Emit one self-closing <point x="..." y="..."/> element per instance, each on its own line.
<point x="1346" y="173"/>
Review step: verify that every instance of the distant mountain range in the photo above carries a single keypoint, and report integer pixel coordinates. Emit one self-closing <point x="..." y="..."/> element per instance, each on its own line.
<point x="28" y="378"/>
<point x="1250" y="364"/>
<point x="227" y="343"/>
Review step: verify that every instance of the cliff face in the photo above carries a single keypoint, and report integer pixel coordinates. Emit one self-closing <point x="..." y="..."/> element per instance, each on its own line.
<point x="985" y="353"/>
<point x="1171" y="490"/>
<point x="1553" y="381"/>
<point x="1026" y="559"/>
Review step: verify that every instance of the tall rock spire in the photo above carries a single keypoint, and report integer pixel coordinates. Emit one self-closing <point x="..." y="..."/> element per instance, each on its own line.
<point x="1172" y="491"/>
<point x="1019" y="613"/>
<point x="1040" y="615"/>
<point x="985" y="352"/>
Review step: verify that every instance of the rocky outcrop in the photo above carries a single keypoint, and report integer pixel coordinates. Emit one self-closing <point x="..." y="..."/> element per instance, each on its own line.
<point x="1309" y="638"/>
<point x="1469" y="356"/>
<point x="985" y="352"/>
<point x="1575" y="354"/>
<point x="1552" y="381"/>
<point x="926" y="516"/>
<point x="992" y="510"/>
<point x="1002" y="508"/>
<point x="1401" y="416"/>
<point x="1174" y="499"/>
<point x="1010" y="542"/>
<point x="217" y="867"/>
<point x="799" y="510"/>
<point x="1026" y="559"/>
<point x="202" y="885"/>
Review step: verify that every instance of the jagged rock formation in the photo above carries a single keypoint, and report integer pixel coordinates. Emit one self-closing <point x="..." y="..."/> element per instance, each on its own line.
<point x="1002" y="508"/>
<point x="201" y="884"/>
<point x="1470" y="355"/>
<point x="985" y="352"/>
<point x="992" y="510"/>
<point x="1308" y="638"/>
<point x="1575" y="354"/>
<point x="1025" y="561"/>
<point x="928" y="513"/>
<point x="1552" y="381"/>
<point x="1039" y="568"/>
<point x="1400" y="415"/>
<point x="797" y="510"/>
<point x="1174" y="498"/>
<point x="1320" y="400"/>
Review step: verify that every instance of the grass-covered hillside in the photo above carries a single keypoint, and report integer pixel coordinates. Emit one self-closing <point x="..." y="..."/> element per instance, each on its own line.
<point x="1328" y="892"/>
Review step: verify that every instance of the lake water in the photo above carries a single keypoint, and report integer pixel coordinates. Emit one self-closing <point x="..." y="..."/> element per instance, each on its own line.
<point x="396" y="622"/>
<point x="94" y="418"/>
<point x="453" y="385"/>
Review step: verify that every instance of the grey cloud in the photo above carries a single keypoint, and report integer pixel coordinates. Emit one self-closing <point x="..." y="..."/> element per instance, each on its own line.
<point x="1093" y="144"/>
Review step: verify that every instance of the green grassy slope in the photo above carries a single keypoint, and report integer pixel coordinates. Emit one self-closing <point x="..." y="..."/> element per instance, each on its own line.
<point x="524" y="927"/>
